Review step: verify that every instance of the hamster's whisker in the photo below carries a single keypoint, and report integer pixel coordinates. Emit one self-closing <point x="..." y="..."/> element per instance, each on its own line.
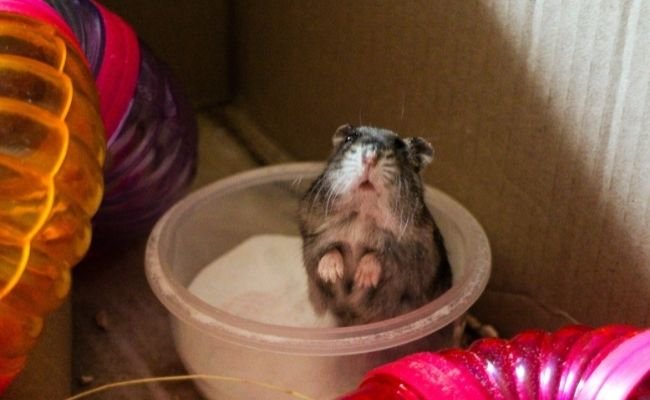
<point x="334" y="192"/>
<point x="327" y="202"/>
<point x="327" y="197"/>
<point x="319" y="197"/>
<point x="408" y="221"/>
<point x="402" y="223"/>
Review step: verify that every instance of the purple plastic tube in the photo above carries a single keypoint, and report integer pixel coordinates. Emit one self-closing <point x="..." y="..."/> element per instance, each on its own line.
<point x="151" y="131"/>
<point x="573" y="363"/>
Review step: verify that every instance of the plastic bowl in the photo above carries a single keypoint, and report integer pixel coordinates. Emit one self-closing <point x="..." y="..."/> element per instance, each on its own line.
<point x="319" y="362"/>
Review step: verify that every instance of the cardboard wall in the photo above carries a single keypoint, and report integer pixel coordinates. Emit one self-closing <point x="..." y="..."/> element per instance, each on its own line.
<point x="190" y="36"/>
<point x="539" y="112"/>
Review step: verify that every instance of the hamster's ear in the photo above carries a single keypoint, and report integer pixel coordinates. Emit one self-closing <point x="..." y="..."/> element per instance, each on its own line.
<point x="420" y="152"/>
<point x="341" y="134"/>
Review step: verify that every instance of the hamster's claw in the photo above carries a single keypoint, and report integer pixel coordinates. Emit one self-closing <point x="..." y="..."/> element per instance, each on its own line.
<point x="330" y="266"/>
<point x="368" y="272"/>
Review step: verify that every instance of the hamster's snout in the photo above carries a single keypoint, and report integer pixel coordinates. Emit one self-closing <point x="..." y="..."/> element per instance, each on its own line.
<point x="369" y="157"/>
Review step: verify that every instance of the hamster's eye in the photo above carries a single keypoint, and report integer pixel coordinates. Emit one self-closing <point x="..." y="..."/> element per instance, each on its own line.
<point x="351" y="137"/>
<point x="399" y="144"/>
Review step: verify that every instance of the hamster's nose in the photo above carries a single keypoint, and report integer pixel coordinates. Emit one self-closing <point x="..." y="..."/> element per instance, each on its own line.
<point x="369" y="158"/>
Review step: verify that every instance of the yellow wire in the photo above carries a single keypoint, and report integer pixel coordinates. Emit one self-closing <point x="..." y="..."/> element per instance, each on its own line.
<point x="177" y="378"/>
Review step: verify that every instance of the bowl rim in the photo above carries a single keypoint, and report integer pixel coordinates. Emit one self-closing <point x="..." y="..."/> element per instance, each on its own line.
<point x="376" y="336"/>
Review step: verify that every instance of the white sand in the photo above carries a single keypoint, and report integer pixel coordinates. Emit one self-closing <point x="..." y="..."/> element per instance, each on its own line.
<point x="262" y="279"/>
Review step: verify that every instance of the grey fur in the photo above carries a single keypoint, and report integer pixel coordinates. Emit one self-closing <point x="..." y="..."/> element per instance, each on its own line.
<point x="409" y="251"/>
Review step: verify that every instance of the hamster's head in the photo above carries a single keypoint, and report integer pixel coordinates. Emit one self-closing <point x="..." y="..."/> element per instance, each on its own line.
<point x="376" y="160"/>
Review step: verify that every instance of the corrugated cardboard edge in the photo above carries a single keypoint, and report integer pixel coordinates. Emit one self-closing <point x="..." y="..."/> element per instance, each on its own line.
<point x="256" y="141"/>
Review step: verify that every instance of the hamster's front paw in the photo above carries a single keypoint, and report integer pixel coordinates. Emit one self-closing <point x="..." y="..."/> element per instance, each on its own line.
<point x="330" y="266"/>
<point x="368" y="272"/>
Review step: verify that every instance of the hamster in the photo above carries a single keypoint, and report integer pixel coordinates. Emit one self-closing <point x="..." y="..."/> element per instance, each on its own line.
<point x="371" y="248"/>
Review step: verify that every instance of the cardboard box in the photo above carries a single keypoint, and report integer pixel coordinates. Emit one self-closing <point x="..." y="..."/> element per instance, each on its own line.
<point x="47" y="372"/>
<point x="539" y="113"/>
<point x="191" y="37"/>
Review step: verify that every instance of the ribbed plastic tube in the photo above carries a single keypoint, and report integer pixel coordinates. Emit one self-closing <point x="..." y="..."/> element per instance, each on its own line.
<point x="52" y="149"/>
<point x="573" y="363"/>
<point x="150" y="126"/>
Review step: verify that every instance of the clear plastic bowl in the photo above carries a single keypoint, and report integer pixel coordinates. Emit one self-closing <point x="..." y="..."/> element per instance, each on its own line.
<point x="319" y="362"/>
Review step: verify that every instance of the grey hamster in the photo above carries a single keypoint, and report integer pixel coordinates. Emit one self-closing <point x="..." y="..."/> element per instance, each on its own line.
<point x="371" y="247"/>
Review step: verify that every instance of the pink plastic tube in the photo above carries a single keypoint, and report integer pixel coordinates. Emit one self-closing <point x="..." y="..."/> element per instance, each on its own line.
<point x="120" y="63"/>
<point x="573" y="363"/>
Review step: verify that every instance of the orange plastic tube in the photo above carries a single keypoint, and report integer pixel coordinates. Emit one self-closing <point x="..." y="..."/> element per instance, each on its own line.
<point x="52" y="151"/>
